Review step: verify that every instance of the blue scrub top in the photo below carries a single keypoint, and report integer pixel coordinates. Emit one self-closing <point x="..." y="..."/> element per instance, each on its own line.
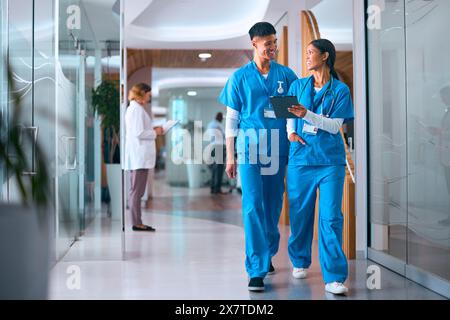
<point x="248" y="92"/>
<point x="324" y="148"/>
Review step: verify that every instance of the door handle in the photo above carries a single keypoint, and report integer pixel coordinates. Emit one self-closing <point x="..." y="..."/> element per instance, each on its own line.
<point x="70" y="166"/>
<point x="34" y="134"/>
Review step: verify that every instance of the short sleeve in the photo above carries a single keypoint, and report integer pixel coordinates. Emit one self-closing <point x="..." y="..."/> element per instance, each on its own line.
<point x="291" y="77"/>
<point x="343" y="108"/>
<point x="230" y="95"/>
<point x="293" y="88"/>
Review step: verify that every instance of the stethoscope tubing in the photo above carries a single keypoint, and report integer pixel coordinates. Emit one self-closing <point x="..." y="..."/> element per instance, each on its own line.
<point x="329" y="90"/>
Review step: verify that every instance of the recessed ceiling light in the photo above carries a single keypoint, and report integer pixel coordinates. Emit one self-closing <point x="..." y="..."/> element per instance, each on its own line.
<point x="192" y="93"/>
<point x="205" y="56"/>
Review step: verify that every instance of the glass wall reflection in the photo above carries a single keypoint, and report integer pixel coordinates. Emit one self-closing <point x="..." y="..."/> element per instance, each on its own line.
<point x="3" y="86"/>
<point x="428" y="79"/>
<point x="409" y="134"/>
<point x="57" y="60"/>
<point x="387" y="127"/>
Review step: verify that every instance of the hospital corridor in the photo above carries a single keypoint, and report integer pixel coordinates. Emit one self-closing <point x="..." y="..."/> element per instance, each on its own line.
<point x="197" y="254"/>
<point x="275" y="152"/>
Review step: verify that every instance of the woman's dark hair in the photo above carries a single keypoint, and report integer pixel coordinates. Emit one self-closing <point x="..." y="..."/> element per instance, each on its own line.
<point x="324" y="45"/>
<point x="262" y="29"/>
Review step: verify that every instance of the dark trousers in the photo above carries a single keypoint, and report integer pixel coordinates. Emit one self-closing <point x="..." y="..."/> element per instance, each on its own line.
<point x="137" y="190"/>
<point x="217" y="169"/>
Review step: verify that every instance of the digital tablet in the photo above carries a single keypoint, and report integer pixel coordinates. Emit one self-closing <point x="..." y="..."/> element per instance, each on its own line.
<point x="281" y="104"/>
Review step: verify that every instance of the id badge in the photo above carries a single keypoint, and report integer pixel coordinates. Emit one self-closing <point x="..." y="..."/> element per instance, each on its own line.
<point x="269" y="114"/>
<point x="310" y="129"/>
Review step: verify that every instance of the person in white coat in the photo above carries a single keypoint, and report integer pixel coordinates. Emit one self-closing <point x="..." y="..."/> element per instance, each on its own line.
<point x="140" y="150"/>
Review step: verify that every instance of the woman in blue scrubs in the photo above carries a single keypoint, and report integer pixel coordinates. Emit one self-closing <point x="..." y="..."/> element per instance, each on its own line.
<point x="262" y="149"/>
<point x="317" y="162"/>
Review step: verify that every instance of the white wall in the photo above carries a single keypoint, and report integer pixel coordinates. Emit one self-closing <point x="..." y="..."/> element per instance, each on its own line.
<point x="359" y="80"/>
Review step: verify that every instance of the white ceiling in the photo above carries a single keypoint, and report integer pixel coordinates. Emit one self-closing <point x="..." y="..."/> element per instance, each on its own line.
<point x="197" y="24"/>
<point x="196" y="20"/>
<point x="335" y="19"/>
<point x="209" y="24"/>
<point x="194" y="24"/>
<point x="164" y="78"/>
<point x="102" y="20"/>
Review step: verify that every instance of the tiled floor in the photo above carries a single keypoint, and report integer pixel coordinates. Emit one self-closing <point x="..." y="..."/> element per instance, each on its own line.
<point x="197" y="253"/>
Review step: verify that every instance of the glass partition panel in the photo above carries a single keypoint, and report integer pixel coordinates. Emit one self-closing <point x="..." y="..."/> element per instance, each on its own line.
<point x="387" y="127"/>
<point x="3" y="86"/>
<point x="56" y="51"/>
<point x="89" y="33"/>
<point x="20" y="60"/>
<point x="428" y="93"/>
<point x="67" y="199"/>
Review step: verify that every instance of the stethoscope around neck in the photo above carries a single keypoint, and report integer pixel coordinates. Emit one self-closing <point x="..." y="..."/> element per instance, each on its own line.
<point x="329" y="90"/>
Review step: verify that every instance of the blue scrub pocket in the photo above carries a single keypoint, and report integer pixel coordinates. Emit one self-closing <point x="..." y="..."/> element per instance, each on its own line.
<point x="296" y="150"/>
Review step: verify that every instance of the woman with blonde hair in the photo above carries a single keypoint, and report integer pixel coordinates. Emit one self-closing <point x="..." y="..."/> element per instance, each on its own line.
<point x="140" y="149"/>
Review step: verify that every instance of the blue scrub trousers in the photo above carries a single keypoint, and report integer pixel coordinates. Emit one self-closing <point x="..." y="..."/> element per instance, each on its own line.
<point x="303" y="182"/>
<point x="262" y="201"/>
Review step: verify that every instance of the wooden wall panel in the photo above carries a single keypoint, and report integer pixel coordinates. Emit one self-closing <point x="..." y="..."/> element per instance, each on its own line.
<point x="283" y="46"/>
<point x="344" y="67"/>
<point x="283" y="59"/>
<point x="310" y="32"/>
<point x="138" y="59"/>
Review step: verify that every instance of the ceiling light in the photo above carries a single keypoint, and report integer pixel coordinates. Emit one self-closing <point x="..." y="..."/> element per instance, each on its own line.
<point x="192" y="93"/>
<point x="205" y="56"/>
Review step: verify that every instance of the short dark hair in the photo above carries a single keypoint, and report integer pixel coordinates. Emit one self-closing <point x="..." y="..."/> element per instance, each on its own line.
<point x="262" y="29"/>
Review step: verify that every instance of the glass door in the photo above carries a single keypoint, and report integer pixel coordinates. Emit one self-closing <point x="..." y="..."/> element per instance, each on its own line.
<point x="409" y="136"/>
<point x="55" y="49"/>
<point x="88" y="37"/>
<point x="68" y="71"/>
<point x="428" y="96"/>
<point x="387" y="138"/>
<point x="20" y="44"/>
<point x="3" y="87"/>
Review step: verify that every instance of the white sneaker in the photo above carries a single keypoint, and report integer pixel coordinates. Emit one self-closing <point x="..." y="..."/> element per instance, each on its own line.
<point x="336" y="288"/>
<point x="299" y="273"/>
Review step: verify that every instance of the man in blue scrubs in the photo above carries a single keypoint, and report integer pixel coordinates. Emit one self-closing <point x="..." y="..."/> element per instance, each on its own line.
<point x="262" y="148"/>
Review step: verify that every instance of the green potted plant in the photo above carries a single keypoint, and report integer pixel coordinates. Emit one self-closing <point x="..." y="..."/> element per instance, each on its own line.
<point x="24" y="225"/>
<point x="106" y="103"/>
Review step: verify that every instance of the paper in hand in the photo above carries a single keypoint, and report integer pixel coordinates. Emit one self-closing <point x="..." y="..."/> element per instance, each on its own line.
<point x="169" y="125"/>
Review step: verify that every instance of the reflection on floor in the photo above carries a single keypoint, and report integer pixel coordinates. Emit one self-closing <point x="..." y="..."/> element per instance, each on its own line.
<point x="198" y="253"/>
